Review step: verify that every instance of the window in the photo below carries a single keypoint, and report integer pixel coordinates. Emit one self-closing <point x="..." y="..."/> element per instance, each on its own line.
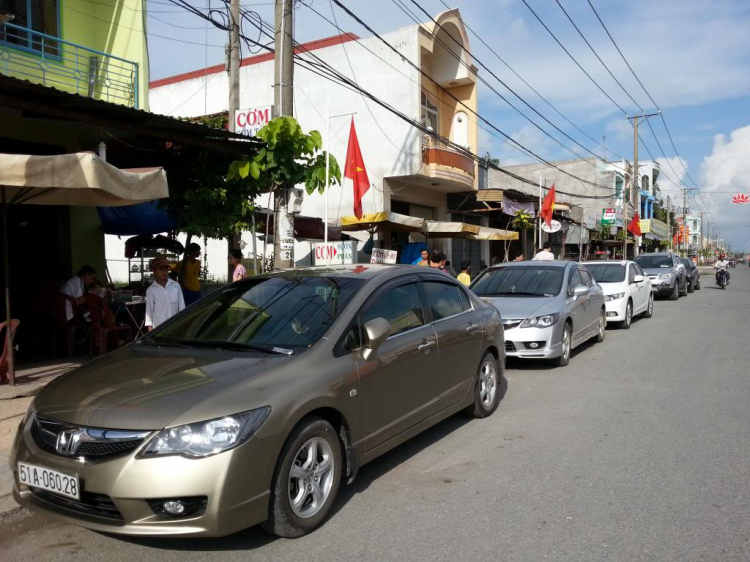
<point x="574" y="280"/>
<point x="607" y="273"/>
<point x="520" y="281"/>
<point x="586" y="278"/>
<point x="638" y="270"/>
<point x="429" y="113"/>
<point x="401" y="306"/>
<point x="37" y="15"/>
<point x="443" y="299"/>
<point x="631" y="275"/>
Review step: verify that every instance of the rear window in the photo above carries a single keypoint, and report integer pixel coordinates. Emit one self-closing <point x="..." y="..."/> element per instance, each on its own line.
<point x="607" y="273"/>
<point x="652" y="262"/>
<point x="443" y="299"/>
<point x="533" y="281"/>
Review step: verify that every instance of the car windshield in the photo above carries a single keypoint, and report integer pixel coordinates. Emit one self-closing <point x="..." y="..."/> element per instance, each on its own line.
<point x="278" y="314"/>
<point x="523" y="281"/>
<point x="651" y="262"/>
<point x="607" y="273"/>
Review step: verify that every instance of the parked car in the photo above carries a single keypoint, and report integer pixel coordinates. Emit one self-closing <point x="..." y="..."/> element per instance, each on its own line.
<point x="627" y="290"/>
<point x="667" y="273"/>
<point x="548" y="308"/>
<point x="253" y="405"/>
<point x="693" y="274"/>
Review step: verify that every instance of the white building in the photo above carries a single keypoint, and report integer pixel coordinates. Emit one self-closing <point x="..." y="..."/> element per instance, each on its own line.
<point x="408" y="174"/>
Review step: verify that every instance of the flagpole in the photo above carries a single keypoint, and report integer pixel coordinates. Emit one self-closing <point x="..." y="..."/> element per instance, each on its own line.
<point x="328" y="172"/>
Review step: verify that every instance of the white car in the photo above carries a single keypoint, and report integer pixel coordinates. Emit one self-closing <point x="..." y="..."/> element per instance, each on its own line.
<point x="627" y="290"/>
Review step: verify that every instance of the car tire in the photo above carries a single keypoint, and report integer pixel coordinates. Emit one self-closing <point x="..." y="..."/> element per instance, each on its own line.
<point x="698" y="285"/>
<point x="649" y="312"/>
<point x="316" y="440"/>
<point x="567" y="341"/>
<point x="625" y="324"/>
<point x="602" y="329"/>
<point x="487" y="388"/>
<point x="675" y="294"/>
<point x="691" y="287"/>
<point x="684" y="291"/>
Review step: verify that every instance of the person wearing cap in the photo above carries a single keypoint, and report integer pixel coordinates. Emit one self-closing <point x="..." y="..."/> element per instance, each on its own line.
<point x="164" y="297"/>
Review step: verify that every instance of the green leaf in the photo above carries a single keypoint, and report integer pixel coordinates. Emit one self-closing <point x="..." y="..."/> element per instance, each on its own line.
<point x="254" y="170"/>
<point x="244" y="169"/>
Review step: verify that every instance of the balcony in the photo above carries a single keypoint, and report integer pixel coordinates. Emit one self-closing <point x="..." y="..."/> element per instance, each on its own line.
<point x="54" y="62"/>
<point x="449" y="170"/>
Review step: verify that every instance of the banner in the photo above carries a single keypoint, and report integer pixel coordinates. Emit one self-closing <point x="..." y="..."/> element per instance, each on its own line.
<point x="333" y="253"/>
<point x="383" y="256"/>
<point x="511" y="207"/>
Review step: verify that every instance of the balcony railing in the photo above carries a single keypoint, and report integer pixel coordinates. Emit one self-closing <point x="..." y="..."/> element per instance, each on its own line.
<point x="435" y="152"/>
<point x="54" y="62"/>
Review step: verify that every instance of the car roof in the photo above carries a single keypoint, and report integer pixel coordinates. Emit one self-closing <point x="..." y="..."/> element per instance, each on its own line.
<point x="610" y="262"/>
<point x="537" y="263"/>
<point x="364" y="271"/>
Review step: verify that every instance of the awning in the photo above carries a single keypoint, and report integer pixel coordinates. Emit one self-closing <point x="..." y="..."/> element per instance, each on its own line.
<point x="143" y="218"/>
<point x="495" y="234"/>
<point x="438" y="229"/>
<point x="80" y="179"/>
<point x="379" y="222"/>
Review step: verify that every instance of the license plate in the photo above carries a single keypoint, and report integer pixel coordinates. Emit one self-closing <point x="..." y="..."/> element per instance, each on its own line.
<point x="50" y="480"/>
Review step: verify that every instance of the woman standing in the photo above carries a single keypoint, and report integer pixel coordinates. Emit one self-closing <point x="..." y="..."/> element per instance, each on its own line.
<point x="235" y="259"/>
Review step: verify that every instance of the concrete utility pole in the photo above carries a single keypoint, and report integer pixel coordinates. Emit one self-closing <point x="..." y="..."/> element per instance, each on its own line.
<point x="700" y="244"/>
<point x="634" y="194"/>
<point x="283" y="237"/>
<point x="233" y="69"/>
<point x="669" y="221"/>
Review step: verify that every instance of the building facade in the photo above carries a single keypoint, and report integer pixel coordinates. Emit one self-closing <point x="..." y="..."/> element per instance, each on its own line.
<point x="409" y="173"/>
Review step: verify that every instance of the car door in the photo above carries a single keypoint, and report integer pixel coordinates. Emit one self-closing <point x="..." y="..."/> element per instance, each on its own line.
<point x="576" y="305"/>
<point x="640" y="291"/>
<point x="591" y="304"/>
<point x="459" y="334"/>
<point x="398" y="387"/>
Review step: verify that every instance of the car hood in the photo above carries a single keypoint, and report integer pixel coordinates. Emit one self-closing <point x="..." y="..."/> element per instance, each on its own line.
<point x="658" y="270"/>
<point x="610" y="288"/>
<point x="142" y="388"/>
<point x="519" y="308"/>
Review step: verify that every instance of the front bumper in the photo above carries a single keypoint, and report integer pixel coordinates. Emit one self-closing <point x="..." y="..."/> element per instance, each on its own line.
<point x="663" y="287"/>
<point x="549" y="341"/>
<point x="616" y="310"/>
<point x="236" y="482"/>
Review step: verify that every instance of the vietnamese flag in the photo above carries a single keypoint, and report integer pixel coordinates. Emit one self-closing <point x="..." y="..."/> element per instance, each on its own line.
<point x="635" y="226"/>
<point x="548" y="205"/>
<point x="355" y="170"/>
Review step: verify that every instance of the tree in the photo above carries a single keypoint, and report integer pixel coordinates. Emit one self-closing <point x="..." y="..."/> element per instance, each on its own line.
<point x="290" y="157"/>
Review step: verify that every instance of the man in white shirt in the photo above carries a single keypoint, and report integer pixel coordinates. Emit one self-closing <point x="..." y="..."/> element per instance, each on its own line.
<point x="545" y="254"/>
<point x="75" y="288"/>
<point x="722" y="265"/>
<point x="164" y="297"/>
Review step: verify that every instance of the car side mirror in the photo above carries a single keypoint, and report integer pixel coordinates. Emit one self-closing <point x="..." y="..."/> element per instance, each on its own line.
<point x="377" y="331"/>
<point x="580" y="291"/>
<point x="639" y="279"/>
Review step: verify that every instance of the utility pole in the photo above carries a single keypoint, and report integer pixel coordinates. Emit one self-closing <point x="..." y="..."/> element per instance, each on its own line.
<point x="233" y="68"/>
<point x="700" y="244"/>
<point x="634" y="193"/>
<point x="283" y="238"/>
<point x="669" y="221"/>
<point x="684" y="221"/>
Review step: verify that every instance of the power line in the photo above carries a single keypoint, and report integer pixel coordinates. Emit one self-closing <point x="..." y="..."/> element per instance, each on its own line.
<point x="644" y="89"/>
<point x="517" y="75"/>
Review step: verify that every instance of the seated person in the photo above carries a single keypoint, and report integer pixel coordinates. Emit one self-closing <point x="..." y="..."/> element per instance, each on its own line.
<point x="76" y="286"/>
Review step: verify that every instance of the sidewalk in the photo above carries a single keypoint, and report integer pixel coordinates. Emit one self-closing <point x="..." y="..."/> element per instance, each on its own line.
<point x="14" y="401"/>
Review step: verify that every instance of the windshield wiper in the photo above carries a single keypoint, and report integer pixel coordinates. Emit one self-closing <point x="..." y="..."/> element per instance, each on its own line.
<point x="236" y="346"/>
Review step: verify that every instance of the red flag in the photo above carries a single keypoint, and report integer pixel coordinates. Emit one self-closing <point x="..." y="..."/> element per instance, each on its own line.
<point x="548" y="205"/>
<point x="635" y="226"/>
<point x="355" y="170"/>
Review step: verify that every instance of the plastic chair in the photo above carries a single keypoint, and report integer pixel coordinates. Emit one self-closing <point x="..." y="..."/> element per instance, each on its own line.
<point x="6" y="351"/>
<point x="69" y="329"/>
<point x="104" y="330"/>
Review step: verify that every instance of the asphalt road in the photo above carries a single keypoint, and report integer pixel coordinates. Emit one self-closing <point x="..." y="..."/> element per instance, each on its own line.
<point x="638" y="450"/>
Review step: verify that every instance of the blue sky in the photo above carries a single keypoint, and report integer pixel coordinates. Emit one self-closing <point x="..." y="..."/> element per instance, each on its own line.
<point x="693" y="56"/>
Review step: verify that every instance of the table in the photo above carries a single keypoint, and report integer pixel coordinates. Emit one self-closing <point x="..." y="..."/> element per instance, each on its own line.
<point x="127" y="305"/>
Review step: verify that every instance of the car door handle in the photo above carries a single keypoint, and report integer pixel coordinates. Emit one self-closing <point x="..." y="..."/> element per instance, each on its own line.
<point x="427" y="344"/>
<point x="472" y="328"/>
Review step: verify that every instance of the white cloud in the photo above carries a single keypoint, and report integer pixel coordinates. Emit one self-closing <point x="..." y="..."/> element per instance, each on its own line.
<point x="673" y="172"/>
<point x="724" y="172"/>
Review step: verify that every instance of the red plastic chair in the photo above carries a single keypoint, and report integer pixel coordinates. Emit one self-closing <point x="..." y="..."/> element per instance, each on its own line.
<point x="104" y="330"/>
<point x="4" y="358"/>
<point x="62" y="326"/>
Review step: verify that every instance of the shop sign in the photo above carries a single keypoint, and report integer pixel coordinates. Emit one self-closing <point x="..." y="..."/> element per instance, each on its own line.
<point x="383" y="256"/>
<point x="608" y="215"/>
<point x="333" y="253"/>
<point x="249" y="121"/>
<point x="645" y="226"/>
<point x="553" y="226"/>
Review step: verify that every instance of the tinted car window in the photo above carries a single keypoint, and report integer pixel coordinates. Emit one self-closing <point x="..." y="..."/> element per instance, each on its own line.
<point x="631" y="275"/>
<point x="289" y="312"/>
<point x="638" y="270"/>
<point x="651" y="262"/>
<point x="574" y="280"/>
<point x="443" y="299"/>
<point x="607" y="273"/>
<point x="586" y="278"/>
<point x="401" y="306"/>
<point x="532" y="281"/>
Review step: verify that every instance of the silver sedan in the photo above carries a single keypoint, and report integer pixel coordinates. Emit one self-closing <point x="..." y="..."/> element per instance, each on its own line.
<point x="548" y="308"/>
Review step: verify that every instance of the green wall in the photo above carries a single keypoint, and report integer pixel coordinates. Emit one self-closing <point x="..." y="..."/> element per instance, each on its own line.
<point x="86" y="240"/>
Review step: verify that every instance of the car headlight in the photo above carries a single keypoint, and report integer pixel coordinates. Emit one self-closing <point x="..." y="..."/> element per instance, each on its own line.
<point x="666" y="276"/>
<point x="540" y="321"/>
<point x="614" y="297"/>
<point x="206" y="438"/>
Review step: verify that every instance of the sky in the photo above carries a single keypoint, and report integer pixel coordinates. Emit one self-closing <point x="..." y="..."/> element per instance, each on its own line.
<point x="692" y="57"/>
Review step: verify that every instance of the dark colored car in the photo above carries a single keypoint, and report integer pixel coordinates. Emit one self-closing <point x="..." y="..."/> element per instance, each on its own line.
<point x="693" y="275"/>
<point x="254" y="404"/>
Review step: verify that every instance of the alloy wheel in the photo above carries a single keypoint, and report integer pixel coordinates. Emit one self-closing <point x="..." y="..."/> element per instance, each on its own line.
<point x="566" y="343"/>
<point x="488" y="384"/>
<point x="311" y="477"/>
<point x="628" y="314"/>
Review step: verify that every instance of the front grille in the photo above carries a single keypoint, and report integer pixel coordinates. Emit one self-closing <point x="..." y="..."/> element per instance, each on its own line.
<point x="510" y="324"/>
<point x="99" y="443"/>
<point x="510" y="346"/>
<point x="98" y="505"/>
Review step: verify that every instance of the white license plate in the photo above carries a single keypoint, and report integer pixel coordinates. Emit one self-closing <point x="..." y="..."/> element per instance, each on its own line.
<point x="50" y="480"/>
